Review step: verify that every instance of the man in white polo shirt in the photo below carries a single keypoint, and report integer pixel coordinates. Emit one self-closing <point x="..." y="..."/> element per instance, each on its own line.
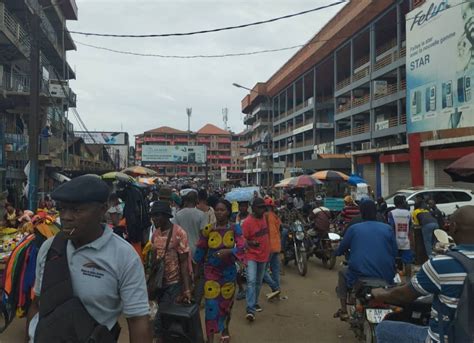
<point x="106" y="273"/>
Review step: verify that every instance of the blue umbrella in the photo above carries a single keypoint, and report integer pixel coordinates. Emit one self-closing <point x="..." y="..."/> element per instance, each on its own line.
<point x="241" y="194"/>
<point x="354" y="179"/>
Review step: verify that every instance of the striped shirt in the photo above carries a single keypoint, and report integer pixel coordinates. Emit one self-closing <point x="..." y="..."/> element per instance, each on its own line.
<point x="444" y="277"/>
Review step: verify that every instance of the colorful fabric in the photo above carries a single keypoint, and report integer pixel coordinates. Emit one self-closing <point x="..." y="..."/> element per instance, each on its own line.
<point x="220" y="273"/>
<point x="444" y="277"/>
<point x="257" y="230"/>
<point x="178" y="245"/>
<point x="274" y="224"/>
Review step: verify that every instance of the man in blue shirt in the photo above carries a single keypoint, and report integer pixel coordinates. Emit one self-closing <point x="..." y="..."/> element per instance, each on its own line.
<point x="373" y="249"/>
<point x="442" y="276"/>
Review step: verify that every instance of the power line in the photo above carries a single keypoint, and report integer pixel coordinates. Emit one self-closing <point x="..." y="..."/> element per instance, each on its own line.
<point x="178" y="34"/>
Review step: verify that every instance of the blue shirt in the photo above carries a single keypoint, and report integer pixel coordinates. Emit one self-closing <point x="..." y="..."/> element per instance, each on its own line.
<point x="373" y="250"/>
<point x="444" y="277"/>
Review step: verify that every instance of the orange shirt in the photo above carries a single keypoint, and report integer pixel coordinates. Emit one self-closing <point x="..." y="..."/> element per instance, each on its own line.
<point x="274" y="224"/>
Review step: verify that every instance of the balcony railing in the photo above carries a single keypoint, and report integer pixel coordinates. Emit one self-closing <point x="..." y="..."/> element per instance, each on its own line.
<point x="344" y="107"/>
<point x="391" y="89"/>
<point x="9" y="23"/>
<point x="343" y="133"/>
<point x="19" y="83"/>
<point x="361" y="129"/>
<point x="361" y="101"/>
<point x="343" y="83"/>
<point x="403" y="119"/>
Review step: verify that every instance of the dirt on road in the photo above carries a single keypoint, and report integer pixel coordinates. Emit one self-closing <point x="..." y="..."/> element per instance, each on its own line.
<point x="306" y="316"/>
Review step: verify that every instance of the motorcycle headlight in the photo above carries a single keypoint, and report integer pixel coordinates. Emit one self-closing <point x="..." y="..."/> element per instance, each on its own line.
<point x="300" y="235"/>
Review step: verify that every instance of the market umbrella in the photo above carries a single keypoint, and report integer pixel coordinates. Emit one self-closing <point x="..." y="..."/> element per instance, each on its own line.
<point x="304" y="181"/>
<point x="139" y="171"/>
<point x="117" y="176"/>
<point x="355" y="179"/>
<point x="149" y="180"/>
<point x="330" y="175"/>
<point x="462" y="169"/>
<point x="284" y="183"/>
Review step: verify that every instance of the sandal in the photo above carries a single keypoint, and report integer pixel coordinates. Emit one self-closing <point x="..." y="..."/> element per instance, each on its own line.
<point x="343" y="316"/>
<point x="225" y="339"/>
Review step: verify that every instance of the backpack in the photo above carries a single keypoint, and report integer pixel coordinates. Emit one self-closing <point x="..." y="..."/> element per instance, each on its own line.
<point x="62" y="316"/>
<point x="462" y="327"/>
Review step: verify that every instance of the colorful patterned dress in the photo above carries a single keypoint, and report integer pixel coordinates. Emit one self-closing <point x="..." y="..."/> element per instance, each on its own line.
<point x="219" y="273"/>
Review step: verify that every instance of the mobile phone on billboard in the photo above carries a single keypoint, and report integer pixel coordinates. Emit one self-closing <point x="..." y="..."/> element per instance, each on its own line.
<point x="427" y="99"/>
<point x="461" y="89"/>
<point x="449" y="94"/>
<point x="433" y="98"/>
<point x="467" y="88"/>
<point x="416" y="102"/>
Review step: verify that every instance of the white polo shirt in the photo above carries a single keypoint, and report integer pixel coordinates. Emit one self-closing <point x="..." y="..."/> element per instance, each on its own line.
<point x="107" y="276"/>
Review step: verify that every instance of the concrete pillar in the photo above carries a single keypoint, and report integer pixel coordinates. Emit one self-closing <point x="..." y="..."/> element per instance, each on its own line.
<point x="429" y="173"/>
<point x="384" y="186"/>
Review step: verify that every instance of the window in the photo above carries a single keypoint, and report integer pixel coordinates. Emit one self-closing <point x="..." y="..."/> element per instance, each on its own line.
<point x="462" y="196"/>
<point x="443" y="197"/>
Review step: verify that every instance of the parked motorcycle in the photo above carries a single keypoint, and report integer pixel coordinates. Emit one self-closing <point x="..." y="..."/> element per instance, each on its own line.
<point x="364" y="312"/>
<point x="323" y="246"/>
<point x="296" y="247"/>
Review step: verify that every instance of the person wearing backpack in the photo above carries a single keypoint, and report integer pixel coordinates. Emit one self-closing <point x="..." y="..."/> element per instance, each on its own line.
<point x="450" y="278"/>
<point x="86" y="276"/>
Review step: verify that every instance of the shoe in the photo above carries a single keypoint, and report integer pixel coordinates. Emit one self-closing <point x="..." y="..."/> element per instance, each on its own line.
<point x="258" y="308"/>
<point x="241" y="295"/>
<point x="250" y="317"/>
<point x="273" y="295"/>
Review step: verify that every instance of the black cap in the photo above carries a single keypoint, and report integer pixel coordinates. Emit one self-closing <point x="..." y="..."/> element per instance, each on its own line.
<point x="82" y="189"/>
<point x="258" y="202"/>
<point x="161" y="207"/>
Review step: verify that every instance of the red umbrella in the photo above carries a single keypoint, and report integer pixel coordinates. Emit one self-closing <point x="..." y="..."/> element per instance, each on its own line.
<point x="462" y="169"/>
<point x="304" y="181"/>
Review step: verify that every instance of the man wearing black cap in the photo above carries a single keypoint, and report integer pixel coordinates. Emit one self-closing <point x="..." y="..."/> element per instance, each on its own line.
<point x="106" y="273"/>
<point x="256" y="233"/>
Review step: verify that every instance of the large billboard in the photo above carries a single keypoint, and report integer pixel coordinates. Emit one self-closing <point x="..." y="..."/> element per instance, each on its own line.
<point x="440" y="65"/>
<point x="107" y="138"/>
<point x="174" y="153"/>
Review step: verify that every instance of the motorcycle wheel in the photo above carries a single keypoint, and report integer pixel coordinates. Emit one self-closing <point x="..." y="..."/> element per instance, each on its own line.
<point x="329" y="263"/>
<point x="301" y="262"/>
<point x="369" y="332"/>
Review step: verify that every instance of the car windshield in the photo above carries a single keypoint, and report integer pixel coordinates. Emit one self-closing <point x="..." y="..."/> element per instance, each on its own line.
<point x="390" y="198"/>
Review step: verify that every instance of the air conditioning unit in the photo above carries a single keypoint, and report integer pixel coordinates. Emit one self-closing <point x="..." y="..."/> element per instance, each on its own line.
<point x="366" y="146"/>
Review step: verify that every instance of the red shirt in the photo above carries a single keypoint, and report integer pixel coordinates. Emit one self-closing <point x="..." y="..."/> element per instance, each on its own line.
<point x="257" y="230"/>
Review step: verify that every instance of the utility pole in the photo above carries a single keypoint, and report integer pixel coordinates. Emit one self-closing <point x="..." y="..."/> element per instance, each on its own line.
<point x="189" y="111"/>
<point x="33" y="130"/>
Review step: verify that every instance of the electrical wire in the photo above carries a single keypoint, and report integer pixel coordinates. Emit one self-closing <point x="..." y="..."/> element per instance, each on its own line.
<point x="192" y="33"/>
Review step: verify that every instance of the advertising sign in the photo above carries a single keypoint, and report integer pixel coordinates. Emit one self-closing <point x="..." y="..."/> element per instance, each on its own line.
<point x="174" y="153"/>
<point x="107" y="138"/>
<point x="440" y="65"/>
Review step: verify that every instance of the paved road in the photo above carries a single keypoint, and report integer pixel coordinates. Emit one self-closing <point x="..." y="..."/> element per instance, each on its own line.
<point x="306" y="316"/>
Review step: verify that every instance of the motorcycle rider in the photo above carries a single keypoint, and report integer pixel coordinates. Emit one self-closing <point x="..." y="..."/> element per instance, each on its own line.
<point x="321" y="217"/>
<point x="400" y="220"/>
<point x="373" y="250"/>
<point x="441" y="276"/>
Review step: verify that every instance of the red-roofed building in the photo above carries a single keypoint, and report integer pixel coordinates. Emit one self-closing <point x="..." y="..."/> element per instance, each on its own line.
<point x="218" y="143"/>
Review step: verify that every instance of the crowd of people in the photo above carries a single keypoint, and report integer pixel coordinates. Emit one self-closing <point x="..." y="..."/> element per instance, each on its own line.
<point x="188" y="246"/>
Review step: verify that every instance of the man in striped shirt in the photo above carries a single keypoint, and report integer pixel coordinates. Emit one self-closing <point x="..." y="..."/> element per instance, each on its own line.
<point x="442" y="276"/>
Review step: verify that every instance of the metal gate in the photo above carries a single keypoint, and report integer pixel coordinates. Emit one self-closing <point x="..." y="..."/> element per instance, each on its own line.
<point x="399" y="176"/>
<point x="442" y="179"/>
<point x="370" y="175"/>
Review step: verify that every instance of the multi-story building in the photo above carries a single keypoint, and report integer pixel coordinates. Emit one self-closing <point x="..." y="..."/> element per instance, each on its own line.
<point x="258" y="119"/>
<point x="340" y="102"/>
<point x="218" y="144"/>
<point x="238" y="152"/>
<point x="15" y="78"/>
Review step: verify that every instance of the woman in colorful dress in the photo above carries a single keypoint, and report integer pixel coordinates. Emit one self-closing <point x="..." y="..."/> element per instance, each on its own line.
<point x="217" y="248"/>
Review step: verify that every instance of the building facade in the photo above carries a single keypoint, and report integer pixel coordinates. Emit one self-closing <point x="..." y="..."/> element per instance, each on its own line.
<point x="218" y="147"/>
<point x="16" y="17"/>
<point x="341" y="103"/>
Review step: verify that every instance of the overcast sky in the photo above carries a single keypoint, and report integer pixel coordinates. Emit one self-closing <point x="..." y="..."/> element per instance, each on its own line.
<point x="142" y="93"/>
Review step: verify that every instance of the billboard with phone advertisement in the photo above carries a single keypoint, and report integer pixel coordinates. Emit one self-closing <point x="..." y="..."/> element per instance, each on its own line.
<point x="440" y="65"/>
<point x="174" y="153"/>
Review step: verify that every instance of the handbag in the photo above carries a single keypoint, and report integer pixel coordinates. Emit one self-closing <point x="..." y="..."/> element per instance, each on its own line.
<point x="157" y="272"/>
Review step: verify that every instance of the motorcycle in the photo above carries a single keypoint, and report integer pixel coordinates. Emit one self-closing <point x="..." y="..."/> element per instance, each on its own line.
<point x="296" y="247"/>
<point x="364" y="312"/>
<point x="418" y="313"/>
<point x="323" y="246"/>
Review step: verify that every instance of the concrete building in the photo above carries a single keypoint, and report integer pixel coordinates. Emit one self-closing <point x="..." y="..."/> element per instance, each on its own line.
<point x="238" y="152"/>
<point x="340" y="103"/>
<point x="15" y="77"/>
<point x="217" y="141"/>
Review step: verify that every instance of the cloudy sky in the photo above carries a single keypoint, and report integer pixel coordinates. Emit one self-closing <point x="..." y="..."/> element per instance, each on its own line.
<point x="141" y="93"/>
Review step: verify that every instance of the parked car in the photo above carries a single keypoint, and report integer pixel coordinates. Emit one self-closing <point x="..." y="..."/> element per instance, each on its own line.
<point x="447" y="199"/>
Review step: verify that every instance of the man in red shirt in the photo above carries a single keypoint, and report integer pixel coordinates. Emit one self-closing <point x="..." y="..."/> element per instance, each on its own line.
<point x="255" y="230"/>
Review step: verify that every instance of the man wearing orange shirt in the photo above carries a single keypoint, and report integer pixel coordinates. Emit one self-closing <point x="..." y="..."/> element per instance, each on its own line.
<point x="272" y="274"/>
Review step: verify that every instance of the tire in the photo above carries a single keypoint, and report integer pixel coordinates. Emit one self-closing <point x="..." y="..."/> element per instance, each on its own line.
<point x="301" y="262"/>
<point x="330" y="262"/>
<point x="369" y="332"/>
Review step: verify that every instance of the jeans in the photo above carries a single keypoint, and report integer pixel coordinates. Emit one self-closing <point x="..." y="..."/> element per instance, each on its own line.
<point x="284" y="238"/>
<point x="273" y="264"/>
<point x="390" y="331"/>
<point x="166" y="295"/>
<point x="255" y="273"/>
<point x="427" y="232"/>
